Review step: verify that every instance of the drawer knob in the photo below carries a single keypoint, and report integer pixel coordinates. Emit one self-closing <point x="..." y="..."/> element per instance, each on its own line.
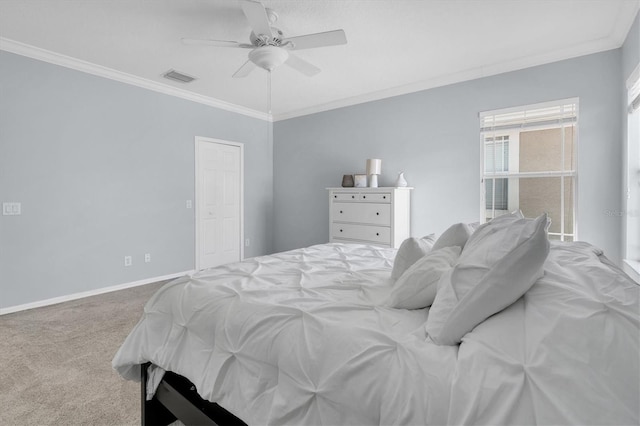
<point x="364" y="196"/>
<point x="384" y="197"/>
<point x="377" y="214"/>
<point x="335" y="196"/>
<point x="353" y="196"/>
<point x="341" y="230"/>
<point x="377" y="233"/>
<point x="340" y="211"/>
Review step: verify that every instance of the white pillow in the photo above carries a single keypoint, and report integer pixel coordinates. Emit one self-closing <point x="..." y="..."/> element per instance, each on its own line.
<point x="499" y="263"/>
<point x="455" y="235"/>
<point x="409" y="252"/>
<point x="473" y="226"/>
<point x="416" y="288"/>
<point x="509" y="217"/>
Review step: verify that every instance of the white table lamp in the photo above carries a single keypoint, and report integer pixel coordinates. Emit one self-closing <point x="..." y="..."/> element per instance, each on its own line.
<point x="374" y="168"/>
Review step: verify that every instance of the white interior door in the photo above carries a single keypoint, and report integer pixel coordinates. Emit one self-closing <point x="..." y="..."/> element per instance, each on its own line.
<point x="219" y="180"/>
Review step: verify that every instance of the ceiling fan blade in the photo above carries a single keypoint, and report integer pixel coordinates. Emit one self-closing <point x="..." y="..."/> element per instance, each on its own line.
<point x="244" y="70"/>
<point x="309" y="41"/>
<point x="301" y="65"/>
<point x="216" y="43"/>
<point x="257" y="17"/>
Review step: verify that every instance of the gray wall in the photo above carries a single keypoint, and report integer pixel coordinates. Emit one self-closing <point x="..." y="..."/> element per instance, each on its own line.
<point x="433" y="136"/>
<point x="103" y="170"/>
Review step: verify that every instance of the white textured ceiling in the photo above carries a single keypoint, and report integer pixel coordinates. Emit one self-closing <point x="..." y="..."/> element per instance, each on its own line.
<point x="393" y="47"/>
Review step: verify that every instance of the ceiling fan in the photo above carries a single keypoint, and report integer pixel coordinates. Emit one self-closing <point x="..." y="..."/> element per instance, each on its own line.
<point x="269" y="47"/>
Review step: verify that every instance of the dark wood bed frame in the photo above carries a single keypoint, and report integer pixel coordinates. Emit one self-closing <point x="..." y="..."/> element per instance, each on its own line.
<point x="176" y="399"/>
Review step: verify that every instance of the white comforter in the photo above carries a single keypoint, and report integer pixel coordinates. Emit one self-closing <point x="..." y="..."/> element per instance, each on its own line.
<point x="300" y="338"/>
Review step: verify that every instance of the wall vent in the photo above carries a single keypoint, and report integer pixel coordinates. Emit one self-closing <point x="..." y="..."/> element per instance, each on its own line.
<point x="178" y="76"/>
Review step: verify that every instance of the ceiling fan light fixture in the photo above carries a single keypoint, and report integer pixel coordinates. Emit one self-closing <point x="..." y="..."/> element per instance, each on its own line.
<point x="268" y="57"/>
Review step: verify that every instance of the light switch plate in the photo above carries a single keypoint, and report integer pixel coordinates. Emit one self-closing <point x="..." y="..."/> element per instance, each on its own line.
<point x="11" y="209"/>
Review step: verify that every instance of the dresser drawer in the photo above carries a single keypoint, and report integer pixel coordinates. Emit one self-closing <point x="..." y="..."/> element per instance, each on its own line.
<point x="349" y="231"/>
<point x="371" y="197"/>
<point x="376" y="197"/>
<point x="376" y="214"/>
<point x="345" y="196"/>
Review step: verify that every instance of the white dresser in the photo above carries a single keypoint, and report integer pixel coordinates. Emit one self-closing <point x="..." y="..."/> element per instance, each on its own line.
<point x="370" y="215"/>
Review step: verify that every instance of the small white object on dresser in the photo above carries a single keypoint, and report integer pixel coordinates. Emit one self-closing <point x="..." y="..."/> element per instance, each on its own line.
<point x="378" y="216"/>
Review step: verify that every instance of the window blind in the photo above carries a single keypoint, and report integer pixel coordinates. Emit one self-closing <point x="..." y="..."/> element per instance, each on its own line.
<point x="496" y="160"/>
<point x="496" y="154"/>
<point x="499" y="200"/>
<point x="540" y="115"/>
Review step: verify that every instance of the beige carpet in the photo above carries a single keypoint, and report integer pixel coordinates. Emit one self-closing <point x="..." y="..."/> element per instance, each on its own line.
<point x="56" y="362"/>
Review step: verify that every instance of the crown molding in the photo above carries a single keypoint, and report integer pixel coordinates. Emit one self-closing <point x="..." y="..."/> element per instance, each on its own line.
<point x="44" y="55"/>
<point x="614" y="40"/>
<point x="467" y="75"/>
<point x="626" y="17"/>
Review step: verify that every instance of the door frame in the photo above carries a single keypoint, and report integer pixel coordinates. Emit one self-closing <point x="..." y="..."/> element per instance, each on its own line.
<point x="199" y="140"/>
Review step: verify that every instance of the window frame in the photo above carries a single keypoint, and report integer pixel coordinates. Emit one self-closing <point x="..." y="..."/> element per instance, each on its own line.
<point x="498" y="142"/>
<point x="484" y="134"/>
<point x="630" y="265"/>
<point x="513" y="138"/>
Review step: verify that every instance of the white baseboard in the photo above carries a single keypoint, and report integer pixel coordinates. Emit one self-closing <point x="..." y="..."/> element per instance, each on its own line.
<point x="74" y="296"/>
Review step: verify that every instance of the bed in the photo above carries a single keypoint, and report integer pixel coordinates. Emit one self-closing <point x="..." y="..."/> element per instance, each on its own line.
<point x="324" y="335"/>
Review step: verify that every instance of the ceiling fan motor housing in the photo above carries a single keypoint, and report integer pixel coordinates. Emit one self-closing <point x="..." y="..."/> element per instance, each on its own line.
<point x="264" y="40"/>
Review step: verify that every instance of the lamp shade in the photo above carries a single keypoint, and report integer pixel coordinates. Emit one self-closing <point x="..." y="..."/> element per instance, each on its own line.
<point x="374" y="166"/>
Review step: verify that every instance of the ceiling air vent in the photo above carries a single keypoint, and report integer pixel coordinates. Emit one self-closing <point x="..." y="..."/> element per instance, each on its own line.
<point x="178" y="76"/>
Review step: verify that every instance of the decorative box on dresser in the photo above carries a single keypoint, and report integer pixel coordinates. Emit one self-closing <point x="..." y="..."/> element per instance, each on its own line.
<point x="378" y="216"/>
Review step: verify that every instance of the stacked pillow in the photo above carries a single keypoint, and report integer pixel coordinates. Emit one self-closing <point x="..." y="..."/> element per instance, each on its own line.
<point x="500" y="262"/>
<point x="416" y="288"/>
<point x="409" y="252"/>
<point x="421" y="262"/>
<point x="469" y="273"/>
<point x="456" y="235"/>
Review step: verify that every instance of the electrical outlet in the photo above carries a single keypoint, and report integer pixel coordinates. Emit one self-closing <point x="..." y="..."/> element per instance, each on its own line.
<point x="147" y="258"/>
<point x="247" y="242"/>
<point x="128" y="261"/>
<point x="189" y="204"/>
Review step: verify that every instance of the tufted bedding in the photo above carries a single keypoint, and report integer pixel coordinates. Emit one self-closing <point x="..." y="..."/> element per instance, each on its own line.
<point x="303" y="337"/>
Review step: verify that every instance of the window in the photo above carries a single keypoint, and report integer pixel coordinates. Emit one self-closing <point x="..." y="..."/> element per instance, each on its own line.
<point x="529" y="163"/>
<point x="632" y="216"/>
<point x="496" y="158"/>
